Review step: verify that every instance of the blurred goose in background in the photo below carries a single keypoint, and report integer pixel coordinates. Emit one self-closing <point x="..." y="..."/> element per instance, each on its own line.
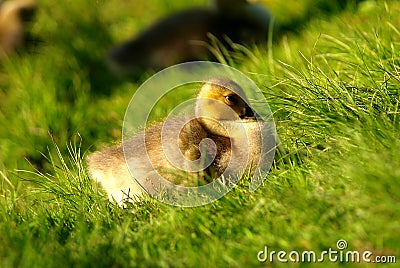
<point x="185" y="36"/>
<point x="220" y="106"/>
<point x="14" y="18"/>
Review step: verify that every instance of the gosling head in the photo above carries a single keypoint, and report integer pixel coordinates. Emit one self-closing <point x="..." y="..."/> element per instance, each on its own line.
<point x="232" y="101"/>
<point x="220" y="101"/>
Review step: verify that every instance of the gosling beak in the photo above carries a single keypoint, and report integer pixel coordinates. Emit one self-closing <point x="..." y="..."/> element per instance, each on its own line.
<point x="250" y="114"/>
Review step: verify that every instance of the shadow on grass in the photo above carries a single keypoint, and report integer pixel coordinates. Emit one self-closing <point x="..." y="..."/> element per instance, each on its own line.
<point x="313" y="9"/>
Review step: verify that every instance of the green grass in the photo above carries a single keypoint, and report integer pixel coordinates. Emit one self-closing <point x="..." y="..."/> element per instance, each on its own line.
<point x="333" y="85"/>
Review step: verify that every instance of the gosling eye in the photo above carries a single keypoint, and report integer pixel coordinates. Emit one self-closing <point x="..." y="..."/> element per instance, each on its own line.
<point x="231" y="99"/>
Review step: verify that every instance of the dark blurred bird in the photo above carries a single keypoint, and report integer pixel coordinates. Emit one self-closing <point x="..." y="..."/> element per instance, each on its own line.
<point x="14" y="18"/>
<point x="184" y="36"/>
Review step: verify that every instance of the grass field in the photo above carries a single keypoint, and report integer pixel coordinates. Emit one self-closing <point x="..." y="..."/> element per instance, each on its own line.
<point x="332" y="82"/>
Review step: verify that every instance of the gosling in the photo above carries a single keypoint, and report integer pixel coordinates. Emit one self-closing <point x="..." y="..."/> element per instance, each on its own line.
<point x="14" y="18"/>
<point x="220" y="104"/>
<point x="189" y="35"/>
